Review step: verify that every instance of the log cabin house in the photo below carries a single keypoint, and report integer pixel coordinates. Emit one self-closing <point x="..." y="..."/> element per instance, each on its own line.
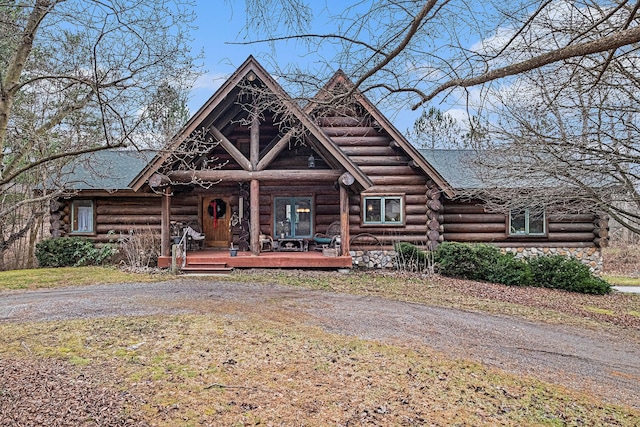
<point x="254" y="170"/>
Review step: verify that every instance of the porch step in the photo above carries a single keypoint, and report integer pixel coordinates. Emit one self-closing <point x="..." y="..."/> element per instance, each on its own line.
<point x="206" y="268"/>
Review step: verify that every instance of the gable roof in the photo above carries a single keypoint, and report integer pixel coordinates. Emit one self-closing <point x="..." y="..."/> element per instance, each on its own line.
<point x="109" y="170"/>
<point x="340" y="78"/>
<point x="323" y="143"/>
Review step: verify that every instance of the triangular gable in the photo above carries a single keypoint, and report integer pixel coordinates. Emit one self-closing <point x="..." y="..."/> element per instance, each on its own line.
<point x="340" y="78"/>
<point x="333" y="155"/>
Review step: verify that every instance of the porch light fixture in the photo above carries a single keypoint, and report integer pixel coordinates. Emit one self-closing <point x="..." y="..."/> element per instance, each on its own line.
<point x="311" y="161"/>
<point x="251" y="76"/>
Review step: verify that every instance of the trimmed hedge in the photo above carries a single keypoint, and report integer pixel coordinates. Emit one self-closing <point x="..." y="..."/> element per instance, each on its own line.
<point x="486" y="262"/>
<point x="71" y="252"/>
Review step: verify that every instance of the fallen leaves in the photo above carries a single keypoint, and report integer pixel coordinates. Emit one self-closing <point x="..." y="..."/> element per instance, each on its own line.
<point x="53" y="393"/>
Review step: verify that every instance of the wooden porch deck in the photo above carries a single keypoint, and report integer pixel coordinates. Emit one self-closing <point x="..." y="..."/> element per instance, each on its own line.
<point x="209" y="259"/>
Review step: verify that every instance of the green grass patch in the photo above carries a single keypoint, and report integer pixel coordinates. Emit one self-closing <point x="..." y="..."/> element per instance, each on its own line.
<point x="622" y="280"/>
<point x="215" y="370"/>
<point x="69" y="276"/>
<point x="600" y="310"/>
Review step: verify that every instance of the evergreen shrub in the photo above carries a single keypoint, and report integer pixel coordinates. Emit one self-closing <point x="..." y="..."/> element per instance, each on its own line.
<point x="71" y="252"/>
<point x="466" y="261"/>
<point x="509" y="270"/>
<point x="560" y="272"/>
<point x="486" y="262"/>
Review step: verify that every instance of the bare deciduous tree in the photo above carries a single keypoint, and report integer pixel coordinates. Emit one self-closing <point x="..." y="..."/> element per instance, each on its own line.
<point x="416" y="50"/>
<point x="75" y="77"/>
<point x="564" y="74"/>
<point x="565" y="140"/>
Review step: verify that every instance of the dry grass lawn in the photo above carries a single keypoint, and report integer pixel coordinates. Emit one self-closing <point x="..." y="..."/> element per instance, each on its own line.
<point x="240" y="367"/>
<point x="233" y="369"/>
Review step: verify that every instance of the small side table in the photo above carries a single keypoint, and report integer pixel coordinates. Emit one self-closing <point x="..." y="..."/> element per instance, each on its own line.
<point x="291" y="245"/>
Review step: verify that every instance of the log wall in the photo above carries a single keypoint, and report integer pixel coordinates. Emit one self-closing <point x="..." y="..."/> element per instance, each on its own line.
<point x="121" y="215"/>
<point x="389" y="168"/>
<point x="469" y="222"/>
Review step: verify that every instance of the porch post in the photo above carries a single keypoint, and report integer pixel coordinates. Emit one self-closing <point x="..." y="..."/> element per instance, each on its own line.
<point x="165" y="220"/>
<point x="254" y="216"/>
<point x="344" y="221"/>
<point x="254" y="140"/>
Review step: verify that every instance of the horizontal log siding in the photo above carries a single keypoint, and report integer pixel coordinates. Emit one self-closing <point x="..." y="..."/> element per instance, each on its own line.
<point x="388" y="168"/>
<point x="139" y="214"/>
<point x="121" y="215"/>
<point x="468" y="222"/>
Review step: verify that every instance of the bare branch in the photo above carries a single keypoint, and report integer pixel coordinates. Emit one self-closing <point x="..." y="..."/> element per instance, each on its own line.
<point x="615" y="41"/>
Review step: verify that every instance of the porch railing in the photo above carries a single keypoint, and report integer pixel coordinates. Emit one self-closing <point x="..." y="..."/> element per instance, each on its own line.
<point x="180" y="251"/>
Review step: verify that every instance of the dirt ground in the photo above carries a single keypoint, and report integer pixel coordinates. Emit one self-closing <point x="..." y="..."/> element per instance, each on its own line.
<point x="602" y="362"/>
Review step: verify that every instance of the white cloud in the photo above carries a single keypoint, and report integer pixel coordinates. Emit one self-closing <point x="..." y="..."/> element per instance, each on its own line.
<point x="209" y="81"/>
<point x="203" y="88"/>
<point x="460" y="115"/>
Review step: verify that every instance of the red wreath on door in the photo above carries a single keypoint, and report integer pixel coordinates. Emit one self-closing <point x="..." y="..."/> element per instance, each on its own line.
<point x="217" y="209"/>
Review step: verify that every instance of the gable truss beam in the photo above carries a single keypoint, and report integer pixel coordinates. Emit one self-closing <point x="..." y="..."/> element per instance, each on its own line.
<point x="230" y="148"/>
<point x="272" y="151"/>
<point x="254" y="144"/>
<point x="226" y="118"/>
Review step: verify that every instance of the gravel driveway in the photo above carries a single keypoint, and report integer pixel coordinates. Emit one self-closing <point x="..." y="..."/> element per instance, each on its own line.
<point x="585" y="360"/>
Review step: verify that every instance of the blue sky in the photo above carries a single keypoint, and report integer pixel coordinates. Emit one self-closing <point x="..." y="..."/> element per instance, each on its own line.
<point x="221" y="22"/>
<point x="218" y="23"/>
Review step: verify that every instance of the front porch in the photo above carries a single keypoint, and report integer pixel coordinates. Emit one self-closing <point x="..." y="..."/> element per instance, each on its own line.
<point x="209" y="259"/>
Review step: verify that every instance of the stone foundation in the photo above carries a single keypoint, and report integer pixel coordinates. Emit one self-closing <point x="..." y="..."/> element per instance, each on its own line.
<point x="373" y="259"/>
<point x="590" y="256"/>
<point x="385" y="259"/>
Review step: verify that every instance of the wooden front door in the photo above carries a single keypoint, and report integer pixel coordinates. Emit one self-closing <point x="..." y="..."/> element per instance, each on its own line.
<point x="216" y="225"/>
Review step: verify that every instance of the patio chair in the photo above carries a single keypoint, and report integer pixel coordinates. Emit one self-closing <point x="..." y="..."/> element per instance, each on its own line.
<point x="195" y="238"/>
<point x="329" y="239"/>
<point x="266" y="243"/>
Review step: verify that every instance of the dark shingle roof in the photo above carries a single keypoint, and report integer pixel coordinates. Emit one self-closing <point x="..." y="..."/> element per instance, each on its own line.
<point x="499" y="169"/>
<point x="458" y="167"/>
<point x="105" y="170"/>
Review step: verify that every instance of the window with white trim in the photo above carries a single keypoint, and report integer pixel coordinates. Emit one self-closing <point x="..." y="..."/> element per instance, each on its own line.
<point x="527" y="222"/>
<point x="82" y="219"/>
<point x="387" y="210"/>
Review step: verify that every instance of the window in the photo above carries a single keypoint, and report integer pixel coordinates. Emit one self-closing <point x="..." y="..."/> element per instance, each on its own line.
<point x="82" y="216"/>
<point x="293" y="217"/>
<point x="527" y="222"/>
<point x="388" y="210"/>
